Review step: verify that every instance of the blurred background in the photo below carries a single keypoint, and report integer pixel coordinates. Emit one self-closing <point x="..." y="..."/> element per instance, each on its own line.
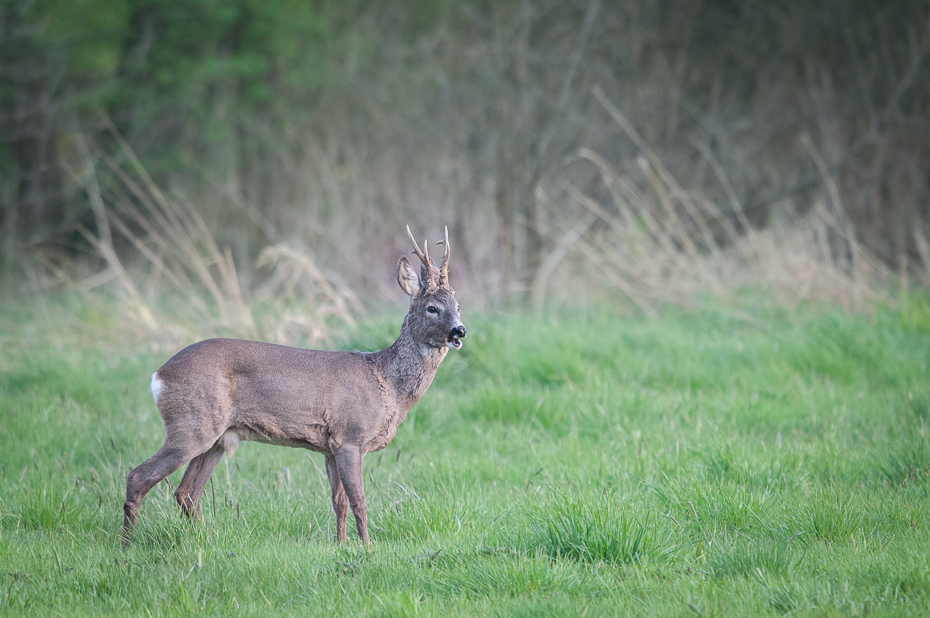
<point x="626" y="153"/>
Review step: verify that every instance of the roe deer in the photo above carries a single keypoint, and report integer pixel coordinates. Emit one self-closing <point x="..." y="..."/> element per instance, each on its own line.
<point x="217" y="392"/>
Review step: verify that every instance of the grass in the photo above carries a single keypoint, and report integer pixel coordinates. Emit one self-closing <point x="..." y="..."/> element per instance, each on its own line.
<point x="580" y="465"/>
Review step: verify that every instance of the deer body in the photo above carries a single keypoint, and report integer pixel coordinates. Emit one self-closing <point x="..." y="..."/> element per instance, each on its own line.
<point x="217" y="392"/>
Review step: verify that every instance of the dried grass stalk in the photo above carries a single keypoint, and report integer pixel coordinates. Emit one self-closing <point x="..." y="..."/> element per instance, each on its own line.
<point x="295" y="276"/>
<point x="659" y="247"/>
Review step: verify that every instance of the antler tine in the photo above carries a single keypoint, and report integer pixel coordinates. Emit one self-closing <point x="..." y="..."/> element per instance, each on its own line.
<point x="444" y="269"/>
<point x="416" y="247"/>
<point x="424" y="258"/>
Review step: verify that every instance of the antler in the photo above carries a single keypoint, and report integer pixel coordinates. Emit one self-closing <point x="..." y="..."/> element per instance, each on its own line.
<point x="444" y="270"/>
<point x="424" y="258"/>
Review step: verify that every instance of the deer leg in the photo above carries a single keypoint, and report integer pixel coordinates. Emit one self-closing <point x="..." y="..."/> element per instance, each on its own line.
<point x="340" y="502"/>
<point x="349" y="464"/>
<point x="195" y="480"/>
<point x="142" y="479"/>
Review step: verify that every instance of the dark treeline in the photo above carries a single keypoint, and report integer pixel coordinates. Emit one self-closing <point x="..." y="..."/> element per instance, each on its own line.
<point x="331" y="124"/>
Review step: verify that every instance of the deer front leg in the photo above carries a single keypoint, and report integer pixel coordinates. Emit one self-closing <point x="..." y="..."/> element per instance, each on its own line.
<point x="340" y="502"/>
<point x="349" y="465"/>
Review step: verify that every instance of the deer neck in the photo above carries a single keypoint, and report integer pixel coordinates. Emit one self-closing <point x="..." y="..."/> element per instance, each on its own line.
<point x="410" y="367"/>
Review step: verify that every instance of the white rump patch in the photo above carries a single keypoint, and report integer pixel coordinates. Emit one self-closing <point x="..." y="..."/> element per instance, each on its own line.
<point x="229" y="442"/>
<point x="157" y="385"/>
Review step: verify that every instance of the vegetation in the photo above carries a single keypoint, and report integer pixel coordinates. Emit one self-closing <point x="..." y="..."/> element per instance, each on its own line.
<point x="579" y="465"/>
<point x="575" y="136"/>
<point x="690" y="241"/>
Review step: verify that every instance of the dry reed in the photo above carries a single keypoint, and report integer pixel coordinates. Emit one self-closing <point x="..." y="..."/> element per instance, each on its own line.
<point x="660" y="243"/>
<point x="190" y="283"/>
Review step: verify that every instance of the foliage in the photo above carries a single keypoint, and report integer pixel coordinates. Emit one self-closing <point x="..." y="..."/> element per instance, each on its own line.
<point x="304" y="122"/>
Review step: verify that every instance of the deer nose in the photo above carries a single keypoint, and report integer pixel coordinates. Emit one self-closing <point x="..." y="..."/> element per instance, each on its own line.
<point x="458" y="332"/>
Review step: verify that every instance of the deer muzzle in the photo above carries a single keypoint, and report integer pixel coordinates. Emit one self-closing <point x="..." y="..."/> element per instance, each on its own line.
<point x="455" y="336"/>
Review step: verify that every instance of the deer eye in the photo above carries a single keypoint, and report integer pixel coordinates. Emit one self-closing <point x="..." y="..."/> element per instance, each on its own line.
<point x="432" y="309"/>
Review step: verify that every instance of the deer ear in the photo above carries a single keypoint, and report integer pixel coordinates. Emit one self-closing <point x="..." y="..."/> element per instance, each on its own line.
<point x="407" y="278"/>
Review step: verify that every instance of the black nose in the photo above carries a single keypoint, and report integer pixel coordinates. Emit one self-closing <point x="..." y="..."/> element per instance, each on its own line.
<point x="458" y="332"/>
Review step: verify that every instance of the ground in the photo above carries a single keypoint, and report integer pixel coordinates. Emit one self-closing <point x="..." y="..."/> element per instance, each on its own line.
<point x="592" y="465"/>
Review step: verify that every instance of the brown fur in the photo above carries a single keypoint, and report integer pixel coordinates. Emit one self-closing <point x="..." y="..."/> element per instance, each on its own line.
<point x="341" y="404"/>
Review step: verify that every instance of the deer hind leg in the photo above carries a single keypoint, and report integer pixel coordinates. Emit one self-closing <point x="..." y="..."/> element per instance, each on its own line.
<point x="340" y="502"/>
<point x="142" y="479"/>
<point x="349" y="465"/>
<point x="195" y="480"/>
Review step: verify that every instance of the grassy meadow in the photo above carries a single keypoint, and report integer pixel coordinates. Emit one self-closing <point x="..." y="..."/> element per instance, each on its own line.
<point x="589" y="465"/>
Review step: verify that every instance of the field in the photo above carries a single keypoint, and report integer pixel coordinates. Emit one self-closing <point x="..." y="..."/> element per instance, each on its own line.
<point x="590" y="465"/>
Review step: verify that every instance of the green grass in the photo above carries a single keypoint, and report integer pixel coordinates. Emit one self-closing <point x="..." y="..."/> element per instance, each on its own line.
<point x="692" y="466"/>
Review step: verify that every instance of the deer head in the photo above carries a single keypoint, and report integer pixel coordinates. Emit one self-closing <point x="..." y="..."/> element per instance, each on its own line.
<point x="433" y="316"/>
